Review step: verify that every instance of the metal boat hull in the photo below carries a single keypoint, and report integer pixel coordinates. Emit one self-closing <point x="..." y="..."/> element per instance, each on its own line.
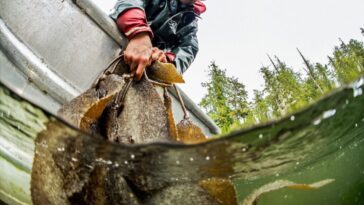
<point x="50" y="52"/>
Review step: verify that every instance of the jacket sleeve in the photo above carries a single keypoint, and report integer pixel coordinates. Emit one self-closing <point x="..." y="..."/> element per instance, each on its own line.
<point x="187" y="49"/>
<point x="132" y="22"/>
<point x="123" y="5"/>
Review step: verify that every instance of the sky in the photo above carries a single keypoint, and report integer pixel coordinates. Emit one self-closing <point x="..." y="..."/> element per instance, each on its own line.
<point x="238" y="35"/>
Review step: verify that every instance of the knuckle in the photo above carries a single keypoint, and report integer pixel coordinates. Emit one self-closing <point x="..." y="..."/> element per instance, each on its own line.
<point x="144" y="59"/>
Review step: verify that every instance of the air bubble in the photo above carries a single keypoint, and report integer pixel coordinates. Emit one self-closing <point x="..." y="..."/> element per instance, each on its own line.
<point x="191" y="159"/>
<point x="357" y="92"/>
<point x="89" y="166"/>
<point x="329" y="113"/>
<point x="60" y="149"/>
<point x="132" y="156"/>
<point x="207" y="158"/>
<point x="317" y="122"/>
<point x="108" y="162"/>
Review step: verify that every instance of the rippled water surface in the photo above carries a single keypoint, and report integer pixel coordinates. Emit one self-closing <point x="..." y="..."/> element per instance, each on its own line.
<point x="324" y="141"/>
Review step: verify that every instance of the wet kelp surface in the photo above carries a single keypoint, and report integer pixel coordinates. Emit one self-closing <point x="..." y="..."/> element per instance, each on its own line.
<point x="125" y="111"/>
<point x="323" y="143"/>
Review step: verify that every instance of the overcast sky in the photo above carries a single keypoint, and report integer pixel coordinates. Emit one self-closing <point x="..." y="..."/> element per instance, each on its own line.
<point x="238" y="34"/>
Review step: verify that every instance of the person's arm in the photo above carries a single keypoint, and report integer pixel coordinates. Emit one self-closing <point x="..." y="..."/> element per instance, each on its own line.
<point x="131" y="20"/>
<point x="186" y="51"/>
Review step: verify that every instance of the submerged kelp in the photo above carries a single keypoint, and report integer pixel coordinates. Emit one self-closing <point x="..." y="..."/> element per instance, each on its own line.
<point x="123" y="111"/>
<point x="85" y="110"/>
<point x="324" y="141"/>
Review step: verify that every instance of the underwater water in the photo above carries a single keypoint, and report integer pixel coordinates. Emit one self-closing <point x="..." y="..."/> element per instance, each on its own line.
<point x="323" y="141"/>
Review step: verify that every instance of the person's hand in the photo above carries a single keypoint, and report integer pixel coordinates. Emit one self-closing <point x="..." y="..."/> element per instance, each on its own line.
<point x="158" y="55"/>
<point x="138" y="54"/>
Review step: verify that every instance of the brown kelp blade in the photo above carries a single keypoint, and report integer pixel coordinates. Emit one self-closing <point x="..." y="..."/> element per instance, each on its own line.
<point x="143" y="118"/>
<point x="165" y="73"/>
<point x="85" y="110"/>
<point x="189" y="133"/>
<point x="222" y="190"/>
<point x="171" y="122"/>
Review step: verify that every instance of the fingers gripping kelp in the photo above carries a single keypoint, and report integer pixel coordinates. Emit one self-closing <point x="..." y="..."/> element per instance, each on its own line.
<point x="124" y="111"/>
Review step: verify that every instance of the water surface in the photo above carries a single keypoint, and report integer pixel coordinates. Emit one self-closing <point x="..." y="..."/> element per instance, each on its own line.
<point x="324" y="141"/>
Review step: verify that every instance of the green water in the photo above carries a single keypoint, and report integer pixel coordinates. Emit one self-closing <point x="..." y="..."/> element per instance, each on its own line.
<point x="324" y="141"/>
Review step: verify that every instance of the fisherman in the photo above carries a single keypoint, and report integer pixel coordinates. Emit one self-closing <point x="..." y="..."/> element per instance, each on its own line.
<point x="159" y="30"/>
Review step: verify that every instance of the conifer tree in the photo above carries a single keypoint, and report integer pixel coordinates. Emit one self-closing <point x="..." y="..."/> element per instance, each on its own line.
<point x="226" y="99"/>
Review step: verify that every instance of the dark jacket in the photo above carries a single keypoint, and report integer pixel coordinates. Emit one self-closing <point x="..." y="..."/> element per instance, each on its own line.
<point x="174" y="26"/>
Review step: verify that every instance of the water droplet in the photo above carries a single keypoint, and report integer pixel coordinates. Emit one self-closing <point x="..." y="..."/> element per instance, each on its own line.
<point x="207" y="158"/>
<point x="132" y="156"/>
<point x="293" y="118"/>
<point x="261" y="136"/>
<point x="341" y="155"/>
<point x="108" y="162"/>
<point x="359" y="82"/>
<point x="357" y="87"/>
<point x="89" y="166"/>
<point x="60" y="149"/>
<point x="191" y="159"/>
<point x="357" y="92"/>
<point x="317" y="122"/>
<point x="329" y="113"/>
